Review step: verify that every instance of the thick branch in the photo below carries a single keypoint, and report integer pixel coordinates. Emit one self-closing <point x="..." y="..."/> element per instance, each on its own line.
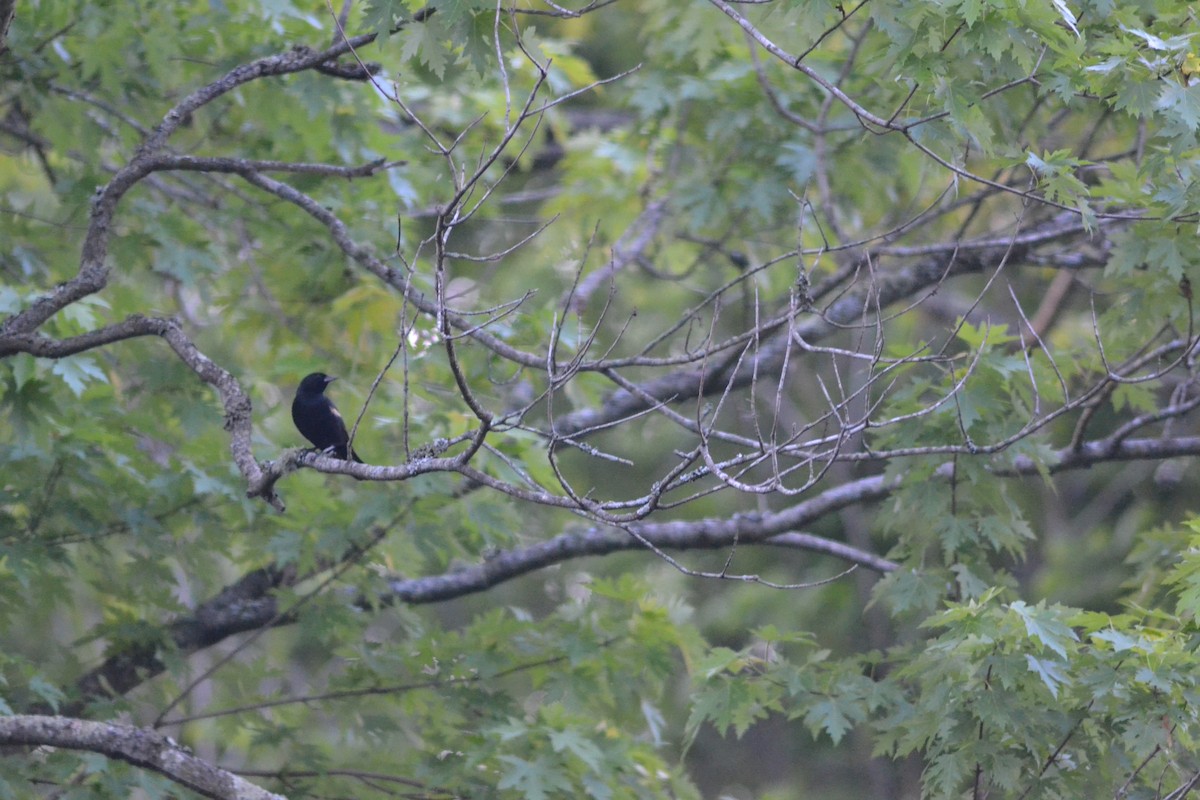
<point x="708" y="534"/>
<point x="8" y="9"/>
<point x="243" y="165"/>
<point x="246" y="605"/>
<point x="137" y="746"/>
<point x="35" y="344"/>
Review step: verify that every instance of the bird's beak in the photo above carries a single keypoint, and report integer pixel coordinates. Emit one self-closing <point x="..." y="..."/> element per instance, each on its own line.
<point x="330" y="379"/>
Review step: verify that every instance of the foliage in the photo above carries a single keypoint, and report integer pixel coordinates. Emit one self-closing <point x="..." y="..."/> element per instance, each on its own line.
<point x="867" y="330"/>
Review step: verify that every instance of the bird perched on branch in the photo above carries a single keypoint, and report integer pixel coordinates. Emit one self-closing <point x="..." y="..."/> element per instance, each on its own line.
<point x="318" y="419"/>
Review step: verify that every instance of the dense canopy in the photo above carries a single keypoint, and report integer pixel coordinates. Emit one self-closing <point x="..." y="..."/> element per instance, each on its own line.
<point x="757" y="399"/>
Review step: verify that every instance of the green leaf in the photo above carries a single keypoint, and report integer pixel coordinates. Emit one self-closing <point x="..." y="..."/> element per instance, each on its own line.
<point x="1137" y="97"/>
<point x="10" y="300"/>
<point x="77" y="372"/>
<point x="826" y="715"/>
<point x="1050" y="672"/>
<point x="423" y="43"/>
<point x="48" y="692"/>
<point x="1181" y="102"/>
<point x="573" y="742"/>
<point x="1044" y="625"/>
<point x="536" y="779"/>
<point x="1120" y="641"/>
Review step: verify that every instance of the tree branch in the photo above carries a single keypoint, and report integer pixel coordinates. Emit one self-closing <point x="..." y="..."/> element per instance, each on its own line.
<point x="247" y="604"/>
<point x="8" y="9"/>
<point x="137" y="746"/>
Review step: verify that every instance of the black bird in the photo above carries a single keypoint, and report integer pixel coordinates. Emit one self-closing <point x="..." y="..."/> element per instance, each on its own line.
<point x="318" y="419"/>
